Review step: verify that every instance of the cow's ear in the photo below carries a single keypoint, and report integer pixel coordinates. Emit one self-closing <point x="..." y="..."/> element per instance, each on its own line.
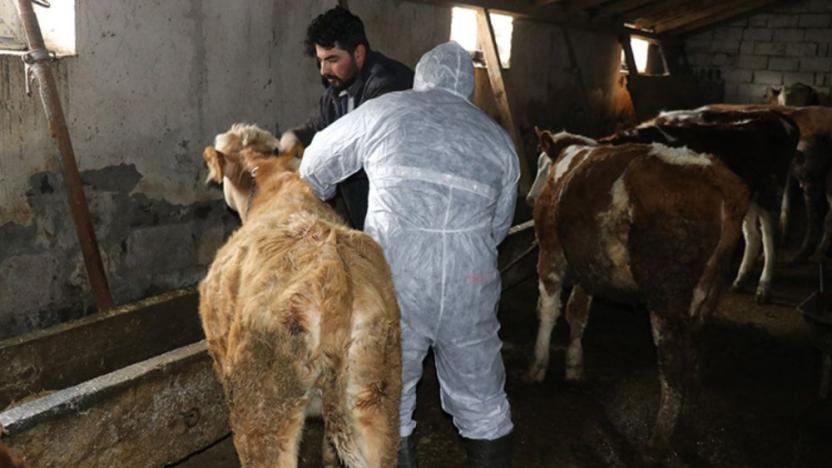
<point x="214" y="160"/>
<point x="290" y="144"/>
<point x="537" y="131"/>
<point x="546" y="142"/>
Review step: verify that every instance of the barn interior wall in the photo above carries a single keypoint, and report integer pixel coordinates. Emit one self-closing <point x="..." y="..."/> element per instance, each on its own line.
<point x="151" y="85"/>
<point x="547" y="90"/>
<point x="783" y="45"/>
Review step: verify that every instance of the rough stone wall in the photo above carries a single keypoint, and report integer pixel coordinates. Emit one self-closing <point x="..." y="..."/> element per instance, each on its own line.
<point x="783" y="45"/>
<point x="154" y="81"/>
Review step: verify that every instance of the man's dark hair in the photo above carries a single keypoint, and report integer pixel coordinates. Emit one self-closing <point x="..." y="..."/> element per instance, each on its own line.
<point x="336" y="28"/>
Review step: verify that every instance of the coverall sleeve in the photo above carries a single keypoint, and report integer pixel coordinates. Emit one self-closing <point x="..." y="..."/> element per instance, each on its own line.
<point x="336" y="152"/>
<point x="507" y="200"/>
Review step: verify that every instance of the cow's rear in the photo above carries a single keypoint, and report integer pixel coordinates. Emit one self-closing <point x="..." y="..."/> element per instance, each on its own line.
<point x="642" y="223"/>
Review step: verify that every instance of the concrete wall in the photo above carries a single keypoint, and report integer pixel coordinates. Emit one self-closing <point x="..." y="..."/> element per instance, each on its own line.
<point x="152" y="83"/>
<point x="783" y="45"/>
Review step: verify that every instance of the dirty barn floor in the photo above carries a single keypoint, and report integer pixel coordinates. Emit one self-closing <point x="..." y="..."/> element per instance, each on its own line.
<point x="756" y="407"/>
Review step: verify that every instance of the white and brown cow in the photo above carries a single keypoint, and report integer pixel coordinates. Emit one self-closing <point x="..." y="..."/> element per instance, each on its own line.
<point x="635" y="223"/>
<point x="296" y="306"/>
<point x="811" y="168"/>
<point x="758" y="146"/>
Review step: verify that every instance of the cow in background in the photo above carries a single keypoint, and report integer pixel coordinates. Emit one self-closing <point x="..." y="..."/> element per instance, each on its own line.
<point x="796" y="94"/>
<point x="297" y="306"/>
<point x="758" y="146"/>
<point x="811" y="169"/>
<point x="635" y="223"/>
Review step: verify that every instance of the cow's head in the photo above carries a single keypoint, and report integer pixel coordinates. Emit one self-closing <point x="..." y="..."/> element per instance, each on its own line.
<point x="550" y="147"/>
<point x="236" y="156"/>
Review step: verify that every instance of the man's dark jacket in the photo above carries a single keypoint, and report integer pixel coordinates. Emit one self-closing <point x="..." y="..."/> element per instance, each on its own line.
<point x="379" y="75"/>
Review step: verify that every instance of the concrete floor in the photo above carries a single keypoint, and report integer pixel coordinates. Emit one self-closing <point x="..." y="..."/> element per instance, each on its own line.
<point x="757" y="406"/>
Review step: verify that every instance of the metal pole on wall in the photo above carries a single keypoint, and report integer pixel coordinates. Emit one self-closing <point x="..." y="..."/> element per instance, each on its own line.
<point x="37" y="61"/>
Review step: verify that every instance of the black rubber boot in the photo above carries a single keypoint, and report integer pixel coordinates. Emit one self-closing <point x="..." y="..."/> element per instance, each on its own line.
<point x="489" y="453"/>
<point x="407" y="453"/>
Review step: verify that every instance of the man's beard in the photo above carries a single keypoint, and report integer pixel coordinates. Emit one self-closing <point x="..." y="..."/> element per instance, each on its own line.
<point x="340" y="84"/>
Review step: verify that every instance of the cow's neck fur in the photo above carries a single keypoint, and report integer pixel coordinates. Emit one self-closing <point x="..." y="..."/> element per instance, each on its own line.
<point x="279" y="194"/>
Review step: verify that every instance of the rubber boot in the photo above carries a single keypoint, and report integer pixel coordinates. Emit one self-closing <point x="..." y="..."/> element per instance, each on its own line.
<point x="407" y="453"/>
<point x="489" y="453"/>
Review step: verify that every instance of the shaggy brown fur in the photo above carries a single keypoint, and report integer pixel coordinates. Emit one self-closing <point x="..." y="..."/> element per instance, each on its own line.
<point x="296" y="305"/>
<point x="636" y="223"/>
<point x="7" y="460"/>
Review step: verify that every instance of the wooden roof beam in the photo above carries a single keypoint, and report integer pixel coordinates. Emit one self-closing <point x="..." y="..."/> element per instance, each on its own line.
<point x="739" y="10"/>
<point x="524" y="10"/>
<point x="618" y="7"/>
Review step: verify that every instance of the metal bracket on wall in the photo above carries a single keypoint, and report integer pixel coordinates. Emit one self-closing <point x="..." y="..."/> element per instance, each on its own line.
<point x="29" y="60"/>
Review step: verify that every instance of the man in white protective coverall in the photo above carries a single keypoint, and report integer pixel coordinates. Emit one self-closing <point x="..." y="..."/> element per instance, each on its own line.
<point x="443" y="185"/>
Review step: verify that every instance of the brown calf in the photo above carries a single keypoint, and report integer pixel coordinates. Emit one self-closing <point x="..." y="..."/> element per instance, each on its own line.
<point x="635" y="223"/>
<point x="757" y="145"/>
<point x="296" y="306"/>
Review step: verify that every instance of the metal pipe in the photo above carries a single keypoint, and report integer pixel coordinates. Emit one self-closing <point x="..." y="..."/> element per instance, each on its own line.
<point x="38" y="59"/>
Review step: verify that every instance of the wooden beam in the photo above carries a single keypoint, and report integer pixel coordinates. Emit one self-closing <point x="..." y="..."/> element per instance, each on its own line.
<point x="546" y="2"/>
<point x="690" y="16"/>
<point x="542" y="14"/>
<point x="743" y="9"/>
<point x="587" y="4"/>
<point x="70" y="353"/>
<point x="152" y="413"/>
<point x="619" y="7"/>
<point x="488" y="44"/>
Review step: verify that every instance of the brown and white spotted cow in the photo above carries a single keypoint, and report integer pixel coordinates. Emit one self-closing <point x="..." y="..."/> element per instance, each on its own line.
<point x="295" y="306"/>
<point x="811" y="169"/>
<point x="635" y="223"/>
<point x="758" y="146"/>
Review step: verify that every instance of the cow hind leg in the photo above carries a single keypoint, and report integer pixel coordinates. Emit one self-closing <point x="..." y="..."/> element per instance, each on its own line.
<point x="751" y="233"/>
<point x="763" y="294"/>
<point x="548" y="310"/>
<point x="363" y="421"/>
<point x="267" y="401"/>
<point x="826" y="240"/>
<point x="677" y="367"/>
<point x="577" y="313"/>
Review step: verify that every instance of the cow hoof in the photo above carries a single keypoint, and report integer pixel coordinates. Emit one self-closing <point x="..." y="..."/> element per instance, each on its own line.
<point x="763" y="297"/>
<point x="739" y="286"/>
<point x="536" y="374"/>
<point x="575" y="375"/>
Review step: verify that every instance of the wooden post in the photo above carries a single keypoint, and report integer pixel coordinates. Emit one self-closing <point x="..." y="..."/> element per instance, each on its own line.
<point x="485" y="32"/>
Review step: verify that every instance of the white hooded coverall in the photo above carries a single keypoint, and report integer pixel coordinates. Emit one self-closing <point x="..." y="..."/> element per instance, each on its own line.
<point x="443" y="182"/>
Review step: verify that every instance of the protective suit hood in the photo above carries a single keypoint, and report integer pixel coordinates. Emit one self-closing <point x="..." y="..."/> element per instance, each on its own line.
<point x="448" y="67"/>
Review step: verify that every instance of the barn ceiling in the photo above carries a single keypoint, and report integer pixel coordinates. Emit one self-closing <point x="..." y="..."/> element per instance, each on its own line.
<point x="659" y="17"/>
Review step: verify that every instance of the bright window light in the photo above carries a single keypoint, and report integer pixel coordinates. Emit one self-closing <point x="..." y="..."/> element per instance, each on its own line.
<point x="57" y="24"/>
<point x="464" y="31"/>
<point x="640" y="47"/>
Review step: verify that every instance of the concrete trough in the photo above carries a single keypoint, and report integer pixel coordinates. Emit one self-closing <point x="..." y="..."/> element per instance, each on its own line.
<point x="130" y="387"/>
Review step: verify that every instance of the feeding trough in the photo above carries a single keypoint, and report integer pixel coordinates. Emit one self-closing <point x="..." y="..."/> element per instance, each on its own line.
<point x="817" y="312"/>
<point x="133" y="386"/>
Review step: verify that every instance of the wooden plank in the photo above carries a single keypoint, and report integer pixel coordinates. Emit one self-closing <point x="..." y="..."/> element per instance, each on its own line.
<point x="488" y="44"/>
<point x="619" y="7"/>
<point x="691" y="16"/>
<point x="587" y="4"/>
<point x="546" y="2"/>
<point x="72" y="352"/>
<point x="149" y="414"/>
<point x="543" y="14"/>
<point x="744" y="9"/>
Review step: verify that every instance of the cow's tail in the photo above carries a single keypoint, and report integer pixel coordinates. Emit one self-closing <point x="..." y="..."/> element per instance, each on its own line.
<point x="735" y="202"/>
<point x="335" y="303"/>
